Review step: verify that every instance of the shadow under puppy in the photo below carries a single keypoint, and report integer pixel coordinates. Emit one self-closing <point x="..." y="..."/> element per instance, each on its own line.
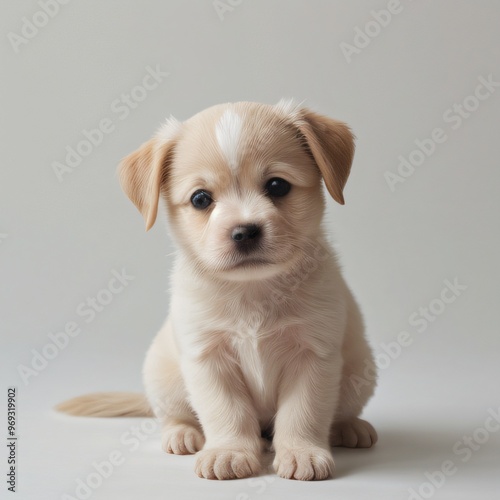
<point x="263" y="333"/>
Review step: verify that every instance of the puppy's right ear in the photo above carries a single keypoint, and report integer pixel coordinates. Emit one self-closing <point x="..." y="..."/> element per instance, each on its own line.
<point x="143" y="172"/>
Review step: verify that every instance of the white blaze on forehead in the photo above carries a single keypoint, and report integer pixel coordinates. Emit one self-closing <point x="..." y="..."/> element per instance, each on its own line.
<point x="228" y="131"/>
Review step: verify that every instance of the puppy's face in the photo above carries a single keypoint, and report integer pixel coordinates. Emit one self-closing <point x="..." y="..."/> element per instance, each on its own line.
<point x="244" y="196"/>
<point x="242" y="184"/>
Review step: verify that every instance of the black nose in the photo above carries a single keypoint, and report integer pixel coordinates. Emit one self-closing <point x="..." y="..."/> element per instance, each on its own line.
<point x="246" y="235"/>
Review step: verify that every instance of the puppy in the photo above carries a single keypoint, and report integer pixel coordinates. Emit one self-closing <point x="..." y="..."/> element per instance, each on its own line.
<point x="263" y="335"/>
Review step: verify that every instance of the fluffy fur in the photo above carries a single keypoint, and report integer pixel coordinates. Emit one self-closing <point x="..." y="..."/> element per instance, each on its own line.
<point x="266" y="341"/>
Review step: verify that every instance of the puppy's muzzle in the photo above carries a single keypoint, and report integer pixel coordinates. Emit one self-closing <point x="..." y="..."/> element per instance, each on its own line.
<point x="246" y="237"/>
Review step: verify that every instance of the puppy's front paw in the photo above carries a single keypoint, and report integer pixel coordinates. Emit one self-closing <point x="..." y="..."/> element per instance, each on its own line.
<point x="226" y="464"/>
<point x="182" y="439"/>
<point x="306" y="464"/>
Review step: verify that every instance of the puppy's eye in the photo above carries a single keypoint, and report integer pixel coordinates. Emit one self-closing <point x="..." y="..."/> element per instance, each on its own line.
<point x="201" y="199"/>
<point x="277" y="187"/>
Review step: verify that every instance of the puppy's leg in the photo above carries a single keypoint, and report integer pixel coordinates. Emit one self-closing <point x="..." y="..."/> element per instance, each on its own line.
<point x="166" y="391"/>
<point x="307" y="399"/>
<point x="233" y="445"/>
<point x="357" y="386"/>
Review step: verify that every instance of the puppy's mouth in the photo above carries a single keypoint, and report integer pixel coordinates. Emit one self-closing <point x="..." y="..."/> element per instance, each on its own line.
<point x="250" y="262"/>
<point x="252" y="268"/>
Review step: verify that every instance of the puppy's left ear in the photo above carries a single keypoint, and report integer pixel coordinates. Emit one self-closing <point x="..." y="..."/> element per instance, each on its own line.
<point x="143" y="172"/>
<point x="331" y="144"/>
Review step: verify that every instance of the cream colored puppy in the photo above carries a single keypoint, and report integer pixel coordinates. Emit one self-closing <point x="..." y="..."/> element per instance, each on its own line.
<point x="263" y="335"/>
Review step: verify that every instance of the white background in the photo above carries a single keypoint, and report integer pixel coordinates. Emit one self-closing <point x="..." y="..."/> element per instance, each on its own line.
<point x="60" y="240"/>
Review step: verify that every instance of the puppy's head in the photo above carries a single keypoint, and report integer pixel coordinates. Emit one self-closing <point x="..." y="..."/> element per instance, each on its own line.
<point x="242" y="184"/>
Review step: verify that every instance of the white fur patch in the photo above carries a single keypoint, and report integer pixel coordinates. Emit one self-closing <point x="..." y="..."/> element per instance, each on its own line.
<point x="251" y="364"/>
<point x="228" y="131"/>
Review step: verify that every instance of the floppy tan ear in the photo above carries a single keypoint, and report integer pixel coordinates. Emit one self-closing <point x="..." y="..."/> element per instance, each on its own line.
<point x="143" y="172"/>
<point x="331" y="144"/>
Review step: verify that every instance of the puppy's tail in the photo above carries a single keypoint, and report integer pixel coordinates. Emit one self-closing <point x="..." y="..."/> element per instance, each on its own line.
<point x="107" y="404"/>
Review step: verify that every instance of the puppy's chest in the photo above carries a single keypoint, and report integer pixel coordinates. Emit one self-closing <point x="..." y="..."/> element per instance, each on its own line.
<point x="255" y="337"/>
<point x="255" y="354"/>
<point x="258" y="335"/>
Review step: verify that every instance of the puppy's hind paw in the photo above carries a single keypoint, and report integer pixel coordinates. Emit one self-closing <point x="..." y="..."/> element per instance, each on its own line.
<point x="353" y="433"/>
<point x="182" y="439"/>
